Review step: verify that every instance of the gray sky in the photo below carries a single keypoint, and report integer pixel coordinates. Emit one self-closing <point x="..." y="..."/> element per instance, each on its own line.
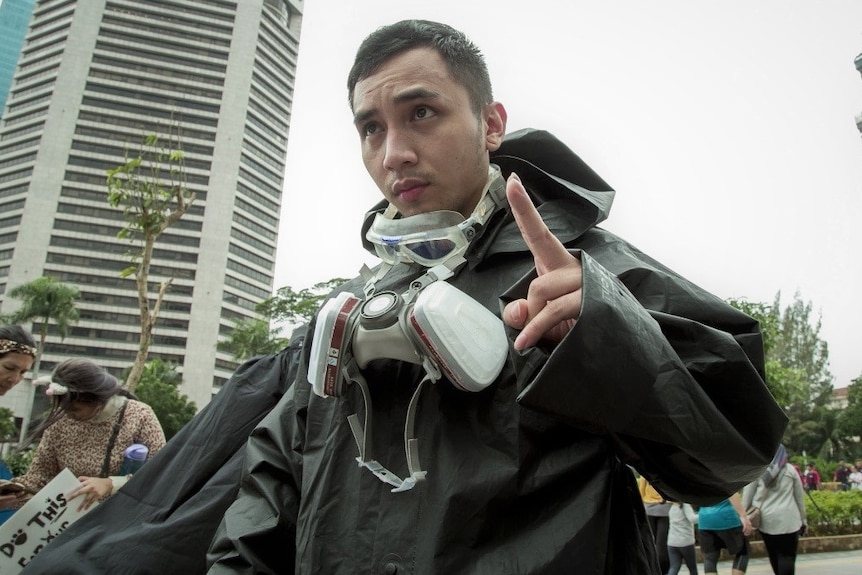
<point x="727" y="130"/>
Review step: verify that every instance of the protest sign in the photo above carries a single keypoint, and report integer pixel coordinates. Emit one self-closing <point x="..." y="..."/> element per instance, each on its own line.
<point x="38" y="522"/>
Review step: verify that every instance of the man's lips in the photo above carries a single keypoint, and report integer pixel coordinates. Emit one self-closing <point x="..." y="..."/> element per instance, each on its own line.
<point x="409" y="190"/>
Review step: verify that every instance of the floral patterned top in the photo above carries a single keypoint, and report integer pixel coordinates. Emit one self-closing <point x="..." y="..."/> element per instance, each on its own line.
<point x="81" y="445"/>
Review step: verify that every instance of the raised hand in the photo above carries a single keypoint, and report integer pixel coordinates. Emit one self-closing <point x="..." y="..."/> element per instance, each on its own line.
<point x="553" y="300"/>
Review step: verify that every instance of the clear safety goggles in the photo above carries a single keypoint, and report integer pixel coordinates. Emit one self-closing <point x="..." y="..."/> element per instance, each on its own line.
<point x="432" y="238"/>
<point x="426" y="239"/>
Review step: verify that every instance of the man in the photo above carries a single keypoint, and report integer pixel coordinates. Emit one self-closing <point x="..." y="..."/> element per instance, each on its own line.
<point x="812" y="477"/>
<point x="608" y="359"/>
<point x="658" y="516"/>
<point x="842" y="476"/>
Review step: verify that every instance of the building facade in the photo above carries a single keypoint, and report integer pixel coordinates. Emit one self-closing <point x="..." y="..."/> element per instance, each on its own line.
<point x="14" y="18"/>
<point x="94" y="77"/>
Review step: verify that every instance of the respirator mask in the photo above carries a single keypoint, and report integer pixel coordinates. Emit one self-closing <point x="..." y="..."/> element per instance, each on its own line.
<point x="440" y="328"/>
<point x="432" y="323"/>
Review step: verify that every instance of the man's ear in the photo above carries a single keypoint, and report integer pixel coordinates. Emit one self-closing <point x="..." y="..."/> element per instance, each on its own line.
<point x="495" y="125"/>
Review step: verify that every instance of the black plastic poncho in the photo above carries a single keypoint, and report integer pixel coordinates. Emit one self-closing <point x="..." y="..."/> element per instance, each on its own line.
<point x="530" y="475"/>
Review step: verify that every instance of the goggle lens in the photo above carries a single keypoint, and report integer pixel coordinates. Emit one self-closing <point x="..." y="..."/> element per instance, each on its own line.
<point x="431" y="250"/>
<point x="428" y="252"/>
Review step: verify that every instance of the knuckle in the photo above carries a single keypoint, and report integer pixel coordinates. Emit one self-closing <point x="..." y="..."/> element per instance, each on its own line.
<point x="538" y="289"/>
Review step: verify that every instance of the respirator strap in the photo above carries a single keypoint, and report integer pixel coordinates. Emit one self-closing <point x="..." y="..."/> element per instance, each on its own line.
<point x="371" y="278"/>
<point x="362" y="435"/>
<point x="440" y="272"/>
<point x="411" y="443"/>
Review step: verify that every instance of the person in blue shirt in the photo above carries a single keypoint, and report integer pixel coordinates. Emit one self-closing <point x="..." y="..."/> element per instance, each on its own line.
<point x="5" y="514"/>
<point x="724" y="525"/>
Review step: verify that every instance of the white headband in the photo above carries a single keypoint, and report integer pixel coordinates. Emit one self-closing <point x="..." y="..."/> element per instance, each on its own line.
<point x="53" y="388"/>
<point x="56" y="389"/>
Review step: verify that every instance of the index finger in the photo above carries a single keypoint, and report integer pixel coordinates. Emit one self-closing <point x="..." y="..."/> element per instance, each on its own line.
<point x="547" y="250"/>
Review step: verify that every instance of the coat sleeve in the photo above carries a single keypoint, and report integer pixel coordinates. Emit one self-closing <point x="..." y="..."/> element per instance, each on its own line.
<point x="670" y="373"/>
<point x="258" y="531"/>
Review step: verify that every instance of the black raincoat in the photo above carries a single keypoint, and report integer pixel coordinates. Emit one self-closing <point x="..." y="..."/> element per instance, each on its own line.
<point x="530" y="475"/>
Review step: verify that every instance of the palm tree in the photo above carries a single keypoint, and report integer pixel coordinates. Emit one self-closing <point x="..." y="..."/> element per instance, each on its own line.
<point x="43" y="300"/>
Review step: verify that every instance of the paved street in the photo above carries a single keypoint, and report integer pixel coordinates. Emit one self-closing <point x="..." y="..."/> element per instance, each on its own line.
<point x="837" y="563"/>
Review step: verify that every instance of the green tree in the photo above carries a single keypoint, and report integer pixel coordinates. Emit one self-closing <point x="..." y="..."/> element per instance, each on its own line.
<point x="159" y="388"/>
<point x="44" y="300"/>
<point x="297" y="307"/>
<point x="253" y="337"/>
<point x="151" y="190"/>
<point x="7" y="424"/>
<point x="800" y="347"/>
<point x="850" y="420"/>
<point x="256" y="337"/>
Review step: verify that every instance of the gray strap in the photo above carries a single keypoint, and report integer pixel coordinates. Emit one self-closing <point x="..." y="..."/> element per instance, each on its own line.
<point x="411" y="443"/>
<point x="106" y="465"/>
<point x="362" y="435"/>
<point x="439" y="272"/>
<point x="372" y="278"/>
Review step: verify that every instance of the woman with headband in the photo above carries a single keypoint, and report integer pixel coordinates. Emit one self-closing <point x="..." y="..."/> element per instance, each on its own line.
<point x="17" y="354"/>
<point x="91" y="423"/>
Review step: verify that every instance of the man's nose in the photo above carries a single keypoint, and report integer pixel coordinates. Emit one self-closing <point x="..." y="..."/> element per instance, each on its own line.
<point x="400" y="150"/>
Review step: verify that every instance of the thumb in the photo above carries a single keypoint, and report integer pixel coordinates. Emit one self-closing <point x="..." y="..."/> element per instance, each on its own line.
<point x="515" y="314"/>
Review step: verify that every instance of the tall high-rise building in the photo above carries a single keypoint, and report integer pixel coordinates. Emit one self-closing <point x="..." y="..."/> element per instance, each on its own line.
<point x="14" y="18"/>
<point x="94" y="77"/>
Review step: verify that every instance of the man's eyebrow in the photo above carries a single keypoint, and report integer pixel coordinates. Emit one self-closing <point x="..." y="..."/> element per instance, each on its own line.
<point x="418" y="93"/>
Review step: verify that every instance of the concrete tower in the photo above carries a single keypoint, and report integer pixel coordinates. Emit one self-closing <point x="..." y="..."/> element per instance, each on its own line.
<point x="96" y="75"/>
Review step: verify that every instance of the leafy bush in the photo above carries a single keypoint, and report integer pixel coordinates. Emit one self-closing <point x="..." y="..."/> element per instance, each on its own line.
<point x="833" y="512"/>
<point x="19" y="463"/>
<point x="7" y="424"/>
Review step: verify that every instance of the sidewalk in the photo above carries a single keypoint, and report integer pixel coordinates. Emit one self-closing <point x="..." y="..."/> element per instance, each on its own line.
<point x="831" y="563"/>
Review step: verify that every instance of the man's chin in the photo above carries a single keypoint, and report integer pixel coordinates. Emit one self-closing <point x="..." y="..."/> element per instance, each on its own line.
<point x="407" y="209"/>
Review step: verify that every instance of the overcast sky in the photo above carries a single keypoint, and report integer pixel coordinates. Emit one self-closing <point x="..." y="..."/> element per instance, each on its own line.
<point x="726" y="128"/>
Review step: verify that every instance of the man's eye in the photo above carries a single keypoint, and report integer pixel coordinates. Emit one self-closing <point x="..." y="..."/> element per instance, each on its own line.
<point x="423" y="112"/>
<point x="370" y="129"/>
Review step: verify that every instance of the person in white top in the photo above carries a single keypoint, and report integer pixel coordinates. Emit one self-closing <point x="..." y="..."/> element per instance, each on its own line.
<point x="855" y="477"/>
<point x="680" y="538"/>
<point x="780" y="496"/>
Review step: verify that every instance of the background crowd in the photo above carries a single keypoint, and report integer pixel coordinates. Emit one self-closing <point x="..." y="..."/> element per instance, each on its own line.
<point x="773" y="509"/>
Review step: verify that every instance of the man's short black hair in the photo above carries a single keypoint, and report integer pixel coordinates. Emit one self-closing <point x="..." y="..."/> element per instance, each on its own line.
<point x="464" y="59"/>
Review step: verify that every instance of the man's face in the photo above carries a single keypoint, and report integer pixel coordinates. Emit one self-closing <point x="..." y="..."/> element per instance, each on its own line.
<point x="422" y="143"/>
